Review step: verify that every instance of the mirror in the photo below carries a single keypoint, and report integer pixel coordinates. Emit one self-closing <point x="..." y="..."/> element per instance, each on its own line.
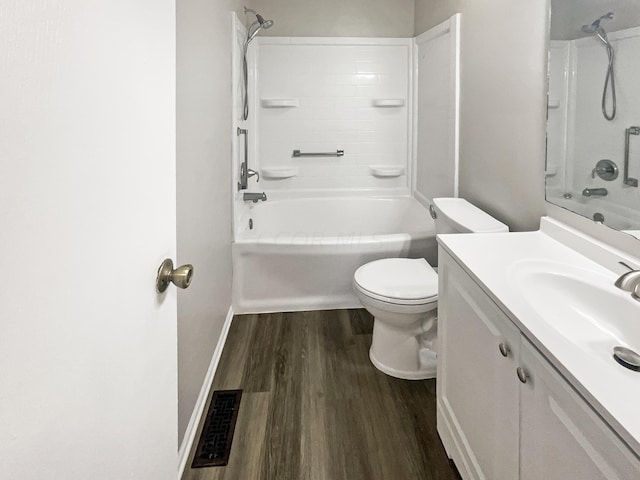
<point x="593" y="111"/>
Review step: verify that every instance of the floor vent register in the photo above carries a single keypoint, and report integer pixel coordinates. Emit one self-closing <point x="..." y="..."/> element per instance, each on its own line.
<point x="214" y="445"/>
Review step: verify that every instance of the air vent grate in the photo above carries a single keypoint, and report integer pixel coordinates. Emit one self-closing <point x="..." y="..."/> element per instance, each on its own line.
<point x="214" y="445"/>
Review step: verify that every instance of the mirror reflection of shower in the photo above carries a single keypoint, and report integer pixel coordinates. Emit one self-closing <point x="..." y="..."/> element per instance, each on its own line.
<point x="609" y="82"/>
<point x="252" y="31"/>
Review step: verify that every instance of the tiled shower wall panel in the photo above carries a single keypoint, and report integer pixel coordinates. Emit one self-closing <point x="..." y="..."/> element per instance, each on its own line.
<point x="335" y="86"/>
<point x="595" y="138"/>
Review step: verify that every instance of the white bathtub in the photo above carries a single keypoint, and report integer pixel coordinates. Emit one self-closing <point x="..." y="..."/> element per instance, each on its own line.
<point x="301" y="254"/>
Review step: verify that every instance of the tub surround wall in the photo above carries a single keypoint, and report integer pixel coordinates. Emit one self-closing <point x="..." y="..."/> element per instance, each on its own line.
<point x="325" y="94"/>
<point x="436" y="87"/>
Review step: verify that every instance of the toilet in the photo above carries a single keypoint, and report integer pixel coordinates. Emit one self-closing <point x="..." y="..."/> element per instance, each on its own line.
<point x="402" y="295"/>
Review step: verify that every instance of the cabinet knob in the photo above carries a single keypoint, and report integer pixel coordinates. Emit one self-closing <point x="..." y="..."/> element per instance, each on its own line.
<point x="504" y="349"/>
<point x="522" y="374"/>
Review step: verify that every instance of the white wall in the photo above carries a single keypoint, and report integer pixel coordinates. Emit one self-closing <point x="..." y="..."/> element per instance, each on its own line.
<point x="335" y="84"/>
<point x="337" y="18"/>
<point x="204" y="187"/>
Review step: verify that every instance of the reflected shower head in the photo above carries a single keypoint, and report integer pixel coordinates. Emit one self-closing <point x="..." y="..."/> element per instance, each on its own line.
<point x="595" y="26"/>
<point x="597" y="30"/>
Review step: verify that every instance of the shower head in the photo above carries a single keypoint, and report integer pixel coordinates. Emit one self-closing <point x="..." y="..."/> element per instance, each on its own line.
<point x="258" y="25"/>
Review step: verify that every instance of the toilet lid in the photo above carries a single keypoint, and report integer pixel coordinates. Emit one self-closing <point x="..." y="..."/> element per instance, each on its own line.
<point x="398" y="279"/>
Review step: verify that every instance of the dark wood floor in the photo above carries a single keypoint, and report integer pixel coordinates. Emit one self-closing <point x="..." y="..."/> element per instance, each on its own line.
<point x="314" y="407"/>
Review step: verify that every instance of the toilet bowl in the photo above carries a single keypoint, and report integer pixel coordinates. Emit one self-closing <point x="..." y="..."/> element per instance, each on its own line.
<point x="402" y="295"/>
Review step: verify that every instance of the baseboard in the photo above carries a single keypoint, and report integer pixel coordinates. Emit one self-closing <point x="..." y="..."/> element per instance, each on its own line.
<point x="198" y="410"/>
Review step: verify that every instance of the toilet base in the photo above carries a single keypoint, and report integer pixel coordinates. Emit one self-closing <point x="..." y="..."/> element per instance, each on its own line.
<point x="399" y="353"/>
<point x="426" y="371"/>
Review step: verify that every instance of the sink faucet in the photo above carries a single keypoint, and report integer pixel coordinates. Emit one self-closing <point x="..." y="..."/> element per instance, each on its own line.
<point x="595" y="192"/>
<point x="629" y="281"/>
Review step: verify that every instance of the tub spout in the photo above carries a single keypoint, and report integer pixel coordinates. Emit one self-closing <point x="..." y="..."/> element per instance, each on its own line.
<point x="254" y="197"/>
<point x="595" y="192"/>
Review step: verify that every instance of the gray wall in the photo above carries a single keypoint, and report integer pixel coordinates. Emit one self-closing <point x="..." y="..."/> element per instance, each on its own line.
<point x="337" y="18"/>
<point x="203" y="187"/>
<point x="569" y="16"/>
<point x="503" y="108"/>
<point x="429" y="13"/>
<point x="502" y="115"/>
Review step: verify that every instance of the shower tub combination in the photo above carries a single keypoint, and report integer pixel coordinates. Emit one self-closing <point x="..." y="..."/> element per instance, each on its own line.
<point x="301" y="254"/>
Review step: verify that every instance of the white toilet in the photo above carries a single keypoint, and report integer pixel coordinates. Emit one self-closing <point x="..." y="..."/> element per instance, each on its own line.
<point x="402" y="295"/>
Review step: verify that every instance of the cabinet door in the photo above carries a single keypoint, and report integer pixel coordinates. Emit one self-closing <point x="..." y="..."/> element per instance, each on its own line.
<point x="562" y="438"/>
<point x="477" y="389"/>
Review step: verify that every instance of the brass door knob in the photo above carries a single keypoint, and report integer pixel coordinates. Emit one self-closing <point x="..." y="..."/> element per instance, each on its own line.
<point x="180" y="277"/>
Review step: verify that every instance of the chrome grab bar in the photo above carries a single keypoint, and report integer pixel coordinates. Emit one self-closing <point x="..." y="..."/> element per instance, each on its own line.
<point x="632" y="182"/>
<point x="244" y="178"/>
<point x="337" y="153"/>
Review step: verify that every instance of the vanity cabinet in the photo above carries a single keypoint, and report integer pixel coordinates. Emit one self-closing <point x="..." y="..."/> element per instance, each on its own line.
<point x="504" y="412"/>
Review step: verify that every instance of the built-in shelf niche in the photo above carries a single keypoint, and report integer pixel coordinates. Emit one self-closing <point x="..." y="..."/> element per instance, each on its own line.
<point x="279" y="102"/>
<point x="276" y="173"/>
<point x="388" y="102"/>
<point x="386" y="171"/>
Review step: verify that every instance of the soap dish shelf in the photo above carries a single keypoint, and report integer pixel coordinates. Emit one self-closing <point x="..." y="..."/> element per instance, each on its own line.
<point x="279" y="102"/>
<point x="386" y="171"/>
<point x="276" y="173"/>
<point x="388" y="102"/>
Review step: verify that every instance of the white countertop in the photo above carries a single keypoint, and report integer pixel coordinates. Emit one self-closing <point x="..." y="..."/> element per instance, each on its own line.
<point x="491" y="259"/>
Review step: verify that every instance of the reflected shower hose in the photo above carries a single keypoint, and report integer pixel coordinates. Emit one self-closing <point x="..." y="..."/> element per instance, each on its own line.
<point x="609" y="80"/>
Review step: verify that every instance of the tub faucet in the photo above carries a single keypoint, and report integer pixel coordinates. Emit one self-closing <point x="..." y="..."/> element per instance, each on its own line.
<point x="245" y="175"/>
<point x="254" y="197"/>
<point x="595" y="192"/>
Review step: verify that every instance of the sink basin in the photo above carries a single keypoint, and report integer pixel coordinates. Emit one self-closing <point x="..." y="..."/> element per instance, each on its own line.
<point x="582" y="305"/>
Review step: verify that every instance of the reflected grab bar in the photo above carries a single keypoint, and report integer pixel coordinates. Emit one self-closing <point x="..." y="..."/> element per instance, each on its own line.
<point x="337" y="153"/>
<point x="632" y="182"/>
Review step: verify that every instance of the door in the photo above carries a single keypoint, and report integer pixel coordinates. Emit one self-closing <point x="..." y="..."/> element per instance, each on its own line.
<point x="88" y="383"/>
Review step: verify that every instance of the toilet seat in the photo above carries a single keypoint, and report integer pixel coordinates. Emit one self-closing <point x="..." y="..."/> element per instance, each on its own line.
<point x="400" y="281"/>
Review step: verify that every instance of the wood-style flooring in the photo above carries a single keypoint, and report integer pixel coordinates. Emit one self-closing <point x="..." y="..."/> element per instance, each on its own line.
<point x="314" y="407"/>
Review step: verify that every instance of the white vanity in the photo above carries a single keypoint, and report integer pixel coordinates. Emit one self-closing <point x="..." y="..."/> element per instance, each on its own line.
<point x="527" y="384"/>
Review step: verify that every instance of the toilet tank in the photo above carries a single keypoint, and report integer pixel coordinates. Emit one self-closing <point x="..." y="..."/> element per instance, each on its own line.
<point x="456" y="215"/>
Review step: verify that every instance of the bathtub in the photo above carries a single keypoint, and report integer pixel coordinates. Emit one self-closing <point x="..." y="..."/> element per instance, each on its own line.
<point x="301" y="254"/>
